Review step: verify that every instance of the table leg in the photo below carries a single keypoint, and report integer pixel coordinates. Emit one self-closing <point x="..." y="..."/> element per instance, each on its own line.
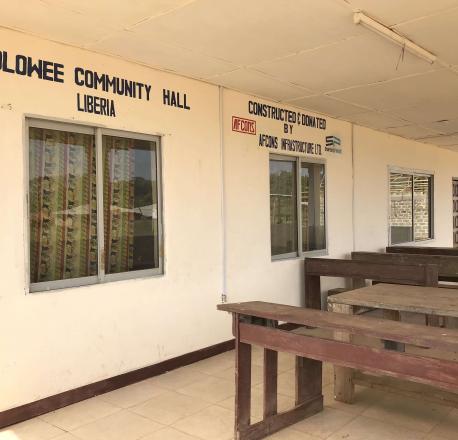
<point x="344" y="387"/>
<point x="393" y="315"/>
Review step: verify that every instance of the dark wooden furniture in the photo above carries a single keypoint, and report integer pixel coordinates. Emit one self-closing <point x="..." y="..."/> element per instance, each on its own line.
<point x="448" y="265"/>
<point x="392" y="298"/>
<point x="359" y="271"/>
<point x="424" y="250"/>
<point x="257" y="323"/>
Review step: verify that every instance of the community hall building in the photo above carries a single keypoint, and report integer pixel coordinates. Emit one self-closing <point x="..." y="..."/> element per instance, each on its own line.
<point x="159" y="158"/>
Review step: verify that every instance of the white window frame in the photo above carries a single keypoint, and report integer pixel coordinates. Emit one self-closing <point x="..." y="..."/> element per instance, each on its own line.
<point x="412" y="172"/>
<point x="101" y="277"/>
<point x="300" y="253"/>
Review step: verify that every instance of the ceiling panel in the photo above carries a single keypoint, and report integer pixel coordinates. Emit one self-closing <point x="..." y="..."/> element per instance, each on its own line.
<point x="164" y="56"/>
<point x="430" y="113"/>
<point x="261" y="85"/>
<point x="52" y="22"/>
<point x="120" y="13"/>
<point x="438" y="34"/>
<point x="247" y="32"/>
<point x="411" y="131"/>
<point x="364" y="59"/>
<point x="376" y="120"/>
<point x="325" y="104"/>
<point x="447" y="126"/>
<point x="421" y="90"/>
<point x="442" y="140"/>
<point x="391" y="12"/>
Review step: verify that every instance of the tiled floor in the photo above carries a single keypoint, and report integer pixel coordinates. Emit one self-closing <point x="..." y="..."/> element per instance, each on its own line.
<point x="197" y="402"/>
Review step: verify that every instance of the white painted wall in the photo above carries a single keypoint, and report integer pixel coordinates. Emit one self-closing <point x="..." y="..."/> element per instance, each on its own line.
<point x="51" y="342"/>
<point x="374" y="153"/>
<point x="55" y="341"/>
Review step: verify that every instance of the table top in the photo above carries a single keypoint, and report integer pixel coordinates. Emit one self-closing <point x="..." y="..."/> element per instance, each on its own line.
<point x="417" y="299"/>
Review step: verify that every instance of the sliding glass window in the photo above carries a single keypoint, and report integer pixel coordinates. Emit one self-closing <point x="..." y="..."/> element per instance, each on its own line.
<point x="94" y="205"/>
<point x="297" y="224"/>
<point x="411" y="207"/>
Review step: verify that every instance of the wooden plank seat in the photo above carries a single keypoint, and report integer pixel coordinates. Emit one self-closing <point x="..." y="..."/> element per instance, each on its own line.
<point x="447" y="264"/>
<point x="425" y="250"/>
<point x="256" y="323"/>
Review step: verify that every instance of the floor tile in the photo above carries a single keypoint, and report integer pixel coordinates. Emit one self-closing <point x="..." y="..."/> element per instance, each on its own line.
<point x="212" y="423"/>
<point x="133" y="394"/>
<point x="409" y="413"/>
<point x="67" y="436"/>
<point x="324" y="423"/>
<point x="216" y="364"/>
<point x="292" y="434"/>
<point x="257" y="374"/>
<point x="179" y="378"/>
<point x="364" y="397"/>
<point x="81" y="413"/>
<point x="34" y="429"/>
<point x="169" y="407"/>
<point x="211" y="389"/>
<point x="123" y="425"/>
<point x="169" y="434"/>
<point x="447" y="428"/>
<point x="363" y="428"/>
<point x="283" y="402"/>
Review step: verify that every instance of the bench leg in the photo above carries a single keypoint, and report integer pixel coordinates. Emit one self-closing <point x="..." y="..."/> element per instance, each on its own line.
<point x="309" y="381"/>
<point x="242" y="382"/>
<point x="344" y="387"/>
<point x="270" y="382"/>
<point x="450" y="322"/>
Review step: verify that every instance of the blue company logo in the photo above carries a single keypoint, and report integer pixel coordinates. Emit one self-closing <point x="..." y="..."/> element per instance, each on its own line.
<point x="333" y="145"/>
<point x="332" y="141"/>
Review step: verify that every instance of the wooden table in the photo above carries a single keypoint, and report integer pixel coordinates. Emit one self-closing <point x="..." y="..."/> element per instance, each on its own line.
<point x="402" y="298"/>
<point x="393" y="299"/>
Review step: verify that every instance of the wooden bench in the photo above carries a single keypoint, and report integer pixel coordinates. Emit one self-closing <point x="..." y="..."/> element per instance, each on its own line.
<point x="256" y="323"/>
<point x="359" y="272"/>
<point x="448" y="265"/>
<point x="424" y="250"/>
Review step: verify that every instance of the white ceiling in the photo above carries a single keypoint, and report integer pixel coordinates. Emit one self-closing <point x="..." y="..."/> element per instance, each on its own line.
<point x="306" y="53"/>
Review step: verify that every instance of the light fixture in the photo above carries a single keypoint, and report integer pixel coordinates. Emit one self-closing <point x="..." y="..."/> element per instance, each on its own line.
<point x="361" y="18"/>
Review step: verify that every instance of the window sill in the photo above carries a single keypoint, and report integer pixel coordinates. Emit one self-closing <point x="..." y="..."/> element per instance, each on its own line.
<point x="55" y="286"/>
<point x="413" y="243"/>
<point x="309" y="254"/>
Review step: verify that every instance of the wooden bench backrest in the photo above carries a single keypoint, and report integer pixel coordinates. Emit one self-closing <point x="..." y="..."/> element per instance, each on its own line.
<point x="448" y="265"/>
<point x="442" y="373"/>
<point x="424" y="250"/>
<point x="359" y="271"/>
<point x="428" y="337"/>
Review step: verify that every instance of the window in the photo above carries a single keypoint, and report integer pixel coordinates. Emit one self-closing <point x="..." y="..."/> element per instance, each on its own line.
<point x="94" y="205"/>
<point x="297" y="224"/>
<point x="410" y="207"/>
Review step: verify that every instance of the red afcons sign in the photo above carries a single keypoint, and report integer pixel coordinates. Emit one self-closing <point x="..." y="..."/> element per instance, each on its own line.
<point x="243" y="125"/>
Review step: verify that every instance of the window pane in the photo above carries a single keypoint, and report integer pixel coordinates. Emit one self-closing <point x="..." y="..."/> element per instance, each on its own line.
<point x="63" y="205"/>
<point x="401" y="208"/>
<point x="422" y="207"/>
<point x="313" y="206"/>
<point x="283" y="207"/>
<point x="130" y="204"/>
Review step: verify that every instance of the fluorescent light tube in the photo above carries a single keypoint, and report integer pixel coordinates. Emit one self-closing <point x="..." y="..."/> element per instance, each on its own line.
<point x="361" y="18"/>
